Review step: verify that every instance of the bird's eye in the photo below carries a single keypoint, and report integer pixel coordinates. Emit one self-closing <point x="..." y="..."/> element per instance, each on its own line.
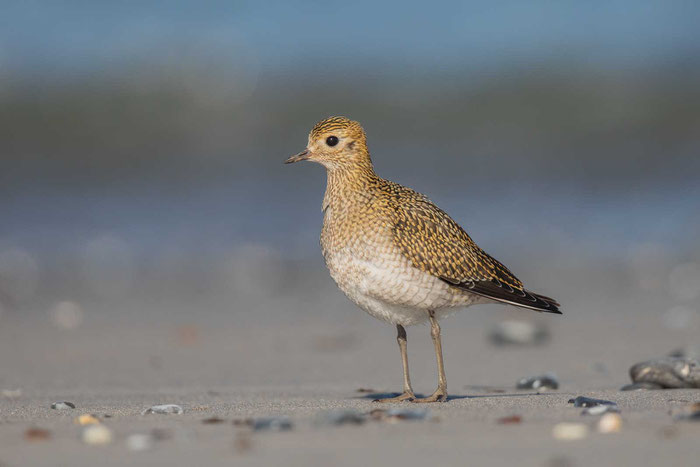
<point x="332" y="140"/>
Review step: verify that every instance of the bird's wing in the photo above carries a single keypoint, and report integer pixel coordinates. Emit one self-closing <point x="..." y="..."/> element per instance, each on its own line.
<point x="436" y="244"/>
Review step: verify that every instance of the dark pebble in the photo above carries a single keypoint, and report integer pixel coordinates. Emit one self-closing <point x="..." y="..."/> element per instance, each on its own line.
<point x="670" y="372"/>
<point x="582" y="401"/>
<point x="266" y="423"/>
<point x="341" y="417"/>
<point x="213" y="421"/>
<point x="538" y="382"/>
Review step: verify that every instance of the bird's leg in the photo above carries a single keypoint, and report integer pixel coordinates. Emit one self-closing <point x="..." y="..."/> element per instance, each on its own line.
<point x="440" y="394"/>
<point x="407" y="390"/>
<point x="401" y="339"/>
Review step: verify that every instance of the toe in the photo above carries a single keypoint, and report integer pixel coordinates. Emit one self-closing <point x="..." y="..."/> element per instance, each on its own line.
<point x="436" y="397"/>
<point x="406" y="396"/>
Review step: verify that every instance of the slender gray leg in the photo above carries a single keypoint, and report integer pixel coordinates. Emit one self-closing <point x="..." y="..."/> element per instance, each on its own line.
<point x="440" y="394"/>
<point x="407" y="390"/>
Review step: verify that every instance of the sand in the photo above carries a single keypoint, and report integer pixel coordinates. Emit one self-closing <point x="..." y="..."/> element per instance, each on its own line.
<point x="231" y="368"/>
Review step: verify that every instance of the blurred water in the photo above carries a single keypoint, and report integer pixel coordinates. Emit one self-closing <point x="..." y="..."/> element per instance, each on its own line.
<point x="142" y="145"/>
<point x="76" y="35"/>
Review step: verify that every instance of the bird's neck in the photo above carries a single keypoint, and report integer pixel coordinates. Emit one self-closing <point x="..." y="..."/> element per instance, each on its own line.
<point x="349" y="183"/>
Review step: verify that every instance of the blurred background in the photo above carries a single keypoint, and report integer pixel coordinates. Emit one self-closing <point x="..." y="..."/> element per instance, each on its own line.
<point x="142" y="147"/>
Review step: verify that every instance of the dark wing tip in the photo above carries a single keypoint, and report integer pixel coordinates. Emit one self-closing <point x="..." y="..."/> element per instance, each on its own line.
<point x="553" y="304"/>
<point x="500" y="292"/>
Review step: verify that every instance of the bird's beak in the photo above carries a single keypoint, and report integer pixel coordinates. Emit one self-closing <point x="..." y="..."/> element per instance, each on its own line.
<point x="302" y="156"/>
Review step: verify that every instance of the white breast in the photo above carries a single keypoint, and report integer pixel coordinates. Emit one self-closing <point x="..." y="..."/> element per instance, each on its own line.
<point x="389" y="288"/>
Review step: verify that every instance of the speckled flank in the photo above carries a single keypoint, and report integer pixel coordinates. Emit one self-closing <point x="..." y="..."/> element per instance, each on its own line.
<point x="393" y="252"/>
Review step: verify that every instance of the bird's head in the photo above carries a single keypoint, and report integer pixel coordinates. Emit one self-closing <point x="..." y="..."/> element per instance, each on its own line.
<point x="336" y="142"/>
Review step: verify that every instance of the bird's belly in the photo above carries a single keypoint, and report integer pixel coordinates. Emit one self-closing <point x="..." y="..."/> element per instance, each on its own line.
<point x="389" y="288"/>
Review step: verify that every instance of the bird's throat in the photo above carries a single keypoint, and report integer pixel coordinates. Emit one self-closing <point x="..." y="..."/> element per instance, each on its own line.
<point x="349" y="183"/>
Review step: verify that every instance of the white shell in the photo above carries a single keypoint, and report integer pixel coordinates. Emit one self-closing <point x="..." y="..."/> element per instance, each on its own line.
<point x="570" y="431"/>
<point x="610" y="423"/>
<point x="97" y="435"/>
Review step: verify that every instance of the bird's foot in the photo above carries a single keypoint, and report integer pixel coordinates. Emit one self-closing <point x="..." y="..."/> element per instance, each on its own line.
<point x="440" y="395"/>
<point x="406" y="396"/>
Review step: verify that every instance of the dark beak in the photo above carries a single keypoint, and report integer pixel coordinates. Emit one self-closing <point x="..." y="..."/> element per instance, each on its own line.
<point x="302" y="156"/>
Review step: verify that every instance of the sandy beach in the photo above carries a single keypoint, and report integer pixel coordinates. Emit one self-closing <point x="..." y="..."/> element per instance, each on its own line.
<point x="219" y="372"/>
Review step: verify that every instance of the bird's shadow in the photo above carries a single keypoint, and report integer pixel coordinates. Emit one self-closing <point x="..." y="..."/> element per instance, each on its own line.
<point x="387" y="395"/>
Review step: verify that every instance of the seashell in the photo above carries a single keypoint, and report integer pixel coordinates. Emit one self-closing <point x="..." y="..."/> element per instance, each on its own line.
<point x="610" y="423"/>
<point x="63" y="405"/>
<point x="96" y="435"/>
<point x="600" y="410"/>
<point x="87" y="419"/>
<point x="570" y="431"/>
<point x="164" y="409"/>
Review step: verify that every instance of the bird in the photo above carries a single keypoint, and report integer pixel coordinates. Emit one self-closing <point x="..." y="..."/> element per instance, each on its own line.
<point x="397" y="255"/>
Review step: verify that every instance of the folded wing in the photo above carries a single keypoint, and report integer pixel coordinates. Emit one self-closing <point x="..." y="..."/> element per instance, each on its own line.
<point x="436" y="244"/>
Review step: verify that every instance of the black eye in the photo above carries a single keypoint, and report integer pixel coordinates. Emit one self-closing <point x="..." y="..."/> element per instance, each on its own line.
<point x="332" y="140"/>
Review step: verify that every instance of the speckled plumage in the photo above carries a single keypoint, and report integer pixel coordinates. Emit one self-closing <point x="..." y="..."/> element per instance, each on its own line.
<point x="396" y="254"/>
<point x="368" y="257"/>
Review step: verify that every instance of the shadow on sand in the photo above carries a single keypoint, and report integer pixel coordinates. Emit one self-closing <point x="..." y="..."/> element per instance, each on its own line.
<point x="385" y="395"/>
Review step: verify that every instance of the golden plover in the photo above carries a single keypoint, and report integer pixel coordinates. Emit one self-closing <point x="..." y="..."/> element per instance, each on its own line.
<point x="394" y="253"/>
